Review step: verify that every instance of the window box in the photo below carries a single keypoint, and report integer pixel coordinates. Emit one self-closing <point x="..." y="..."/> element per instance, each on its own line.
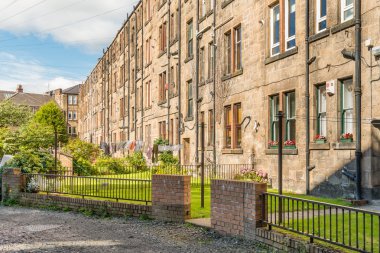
<point x="320" y="141"/>
<point x="346" y="140"/>
<point x="273" y="147"/>
<point x="290" y="147"/>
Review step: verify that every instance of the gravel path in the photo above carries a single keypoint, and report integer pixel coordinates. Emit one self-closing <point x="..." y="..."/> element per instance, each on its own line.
<point x="31" y="230"/>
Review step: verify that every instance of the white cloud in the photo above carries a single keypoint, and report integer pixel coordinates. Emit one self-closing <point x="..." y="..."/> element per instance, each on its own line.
<point x="91" y="24"/>
<point x="34" y="77"/>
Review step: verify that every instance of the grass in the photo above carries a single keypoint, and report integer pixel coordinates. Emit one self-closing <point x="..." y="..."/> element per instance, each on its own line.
<point x="362" y="229"/>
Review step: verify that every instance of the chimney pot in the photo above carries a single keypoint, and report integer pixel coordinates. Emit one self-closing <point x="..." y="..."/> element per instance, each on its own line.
<point x="19" y="89"/>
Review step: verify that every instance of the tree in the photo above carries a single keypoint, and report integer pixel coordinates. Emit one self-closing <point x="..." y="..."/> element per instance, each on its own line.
<point x="51" y="115"/>
<point x="12" y="115"/>
<point x="81" y="149"/>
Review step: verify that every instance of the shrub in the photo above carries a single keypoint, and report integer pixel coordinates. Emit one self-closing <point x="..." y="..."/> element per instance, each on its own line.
<point x="110" y="165"/>
<point x="32" y="186"/>
<point x="83" y="167"/>
<point x="137" y="160"/>
<point x="252" y="175"/>
<point x="167" y="158"/>
<point x="31" y="161"/>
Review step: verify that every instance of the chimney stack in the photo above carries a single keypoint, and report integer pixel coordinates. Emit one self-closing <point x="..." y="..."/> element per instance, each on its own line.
<point x="19" y="89"/>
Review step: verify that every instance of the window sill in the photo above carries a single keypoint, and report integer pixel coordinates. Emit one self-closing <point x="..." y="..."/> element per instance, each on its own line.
<point x="208" y="14"/>
<point x="173" y="41"/>
<point x="210" y="80"/>
<point x="343" y="26"/>
<point x="187" y="119"/>
<point x="148" y="64"/>
<point x="320" y="146"/>
<point x="161" y="53"/>
<point x="189" y="58"/>
<point x="284" y="151"/>
<point x="226" y="3"/>
<point x="319" y="35"/>
<point x="161" y="102"/>
<point x="237" y="151"/>
<point x="344" y="146"/>
<point x="148" y="21"/>
<point x="230" y="76"/>
<point x="148" y="108"/>
<point x="281" y="56"/>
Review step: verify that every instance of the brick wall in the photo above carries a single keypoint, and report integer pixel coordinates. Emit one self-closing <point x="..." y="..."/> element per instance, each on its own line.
<point x="12" y="183"/>
<point x="285" y="243"/>
<point x="236" y="207"/>
<point x="171" y="198"/>
<point x="112" y="208"/>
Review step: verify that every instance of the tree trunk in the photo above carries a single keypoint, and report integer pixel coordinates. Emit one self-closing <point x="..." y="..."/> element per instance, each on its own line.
<point x="55" y="149"/>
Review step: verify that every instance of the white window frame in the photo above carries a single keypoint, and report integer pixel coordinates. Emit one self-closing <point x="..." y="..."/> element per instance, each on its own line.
<point x="293" y="37"/>
<point x="344" y="8"/>
<point x="320" y="19"/>
<point x="74" y="115"/>
<point x="70" y="116"/>
<point x="272" y="44"/>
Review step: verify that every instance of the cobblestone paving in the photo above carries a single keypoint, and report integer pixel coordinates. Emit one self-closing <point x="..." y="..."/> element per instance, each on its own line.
<point x="31" y="230"/>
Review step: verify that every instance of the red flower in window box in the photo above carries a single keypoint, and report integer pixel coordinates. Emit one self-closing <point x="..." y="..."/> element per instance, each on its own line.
<point x="273" y="144"/>
<point x="289" y="143"/>
<point x="347" y="136"/>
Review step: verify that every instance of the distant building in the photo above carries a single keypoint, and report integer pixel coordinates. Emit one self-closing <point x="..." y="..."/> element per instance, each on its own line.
<point x="68" y="101"/>
<point x="32" y="100"/>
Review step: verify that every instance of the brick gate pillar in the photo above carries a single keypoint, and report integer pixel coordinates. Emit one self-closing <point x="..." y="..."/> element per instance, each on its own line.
<point x="171" y="198"/>
<point x="236" y="207"/>
<point x="12" y="183"/>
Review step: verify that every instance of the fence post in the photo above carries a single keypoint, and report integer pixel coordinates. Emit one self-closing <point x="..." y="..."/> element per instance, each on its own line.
<point x="202" y="165"/>
<point x="12" y="183"/>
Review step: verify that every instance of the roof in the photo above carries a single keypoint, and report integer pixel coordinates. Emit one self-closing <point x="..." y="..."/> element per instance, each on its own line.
<point x="72" y="90"/>
<point x="30" y="99"/>
<point x="6" y="94"/>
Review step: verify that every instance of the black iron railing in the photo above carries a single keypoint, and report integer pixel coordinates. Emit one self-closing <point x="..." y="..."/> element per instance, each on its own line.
<point x="347" y="227"/>
<point x="98" y="187"/>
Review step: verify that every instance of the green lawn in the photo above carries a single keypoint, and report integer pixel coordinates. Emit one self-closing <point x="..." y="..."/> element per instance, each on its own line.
<point x="336" y="228"/>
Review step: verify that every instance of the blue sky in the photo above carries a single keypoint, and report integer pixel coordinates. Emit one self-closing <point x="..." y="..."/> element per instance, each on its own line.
<point x="54" y="43"/>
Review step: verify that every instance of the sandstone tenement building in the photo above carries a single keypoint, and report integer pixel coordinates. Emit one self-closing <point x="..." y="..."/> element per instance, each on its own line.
<point x="157" y="79"/>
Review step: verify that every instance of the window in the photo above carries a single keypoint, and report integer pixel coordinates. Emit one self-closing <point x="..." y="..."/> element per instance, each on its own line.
<point x="202" y="65"/>
<point x="70" y="116"/>
<point x="203" y="8"/>
<point x="228" y="126"/>
<point x="321" y="23"/>
<point x="72" y="130"/>
<point x="162" y="129"/>
<point x="237" y="125"/>
<point x="148" y="98"/>
<point x="275" y="30"/>
<point x="238" y="49"/>
<point x="148" y="138"/>
<point x="277" y="21"/>
<point x="173" y="30"/>
<point x="347" y="104"/>
<point x="290" y="24"/>
<point x="321" y="111"/>
<point x="162" y="87"/>
<point x="171" y="136"/>
<point x="74" y="115"/>
<point x="228" y="54"/>
<point x="133" y="119"/>
<point x="148" y="55"/>
<point x="189" y="30"/>
<point x="232" y="121"/>
<point x="211" y="128"/>
<point x="163" y="41"/>
<point x="73" y="100"/>
<point x="290" y="116"/>
<point x="347" y="10"/>
<point x="274" y="109"/>
<point x="210" y="64"/>
<point x="189" y="99"/>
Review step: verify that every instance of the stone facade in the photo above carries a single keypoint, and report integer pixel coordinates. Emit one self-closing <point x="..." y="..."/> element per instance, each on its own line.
<point x="125" y="97"/>
<point x="171" y="198"/>
<point x="236" y="207"/>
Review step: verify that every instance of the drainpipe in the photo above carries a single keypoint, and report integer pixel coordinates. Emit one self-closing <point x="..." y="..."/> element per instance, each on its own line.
<point x="179" y="79"/>
<point x="358" y="94"/>
<point x="168" y="75"/>
<point x="214" y="85"/>
<point x="307" y="96"/>
<point x="197" y="86"/>
<point x="124" y="87"/>
<point x="135" y="78"/>
<point x="142" y="71"/>
<point x="129" y="79"/>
